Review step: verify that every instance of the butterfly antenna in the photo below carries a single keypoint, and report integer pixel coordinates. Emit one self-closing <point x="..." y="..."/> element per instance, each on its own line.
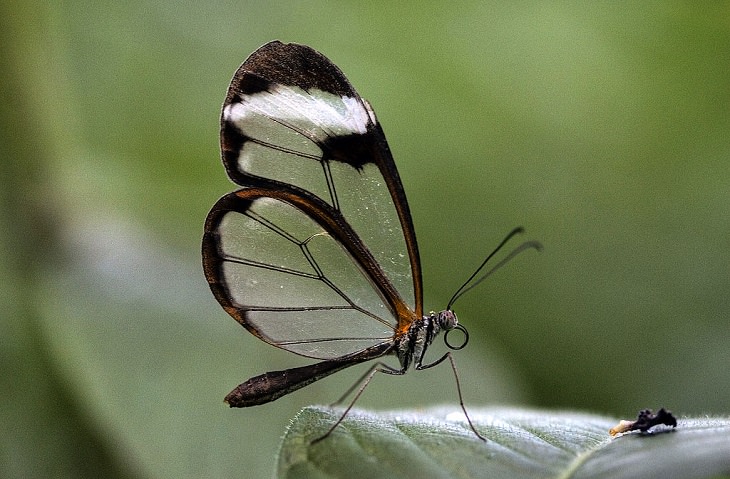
<point x="471" y="283"/>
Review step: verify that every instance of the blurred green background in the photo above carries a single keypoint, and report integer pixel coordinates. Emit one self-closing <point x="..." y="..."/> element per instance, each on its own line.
<point x="600" y="127"/>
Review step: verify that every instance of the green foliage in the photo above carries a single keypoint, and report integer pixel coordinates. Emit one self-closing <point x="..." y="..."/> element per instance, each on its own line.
<point x="521" y="443"/>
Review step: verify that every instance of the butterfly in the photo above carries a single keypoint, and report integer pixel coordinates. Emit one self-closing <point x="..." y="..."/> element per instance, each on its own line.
<point x="317" y="253"/>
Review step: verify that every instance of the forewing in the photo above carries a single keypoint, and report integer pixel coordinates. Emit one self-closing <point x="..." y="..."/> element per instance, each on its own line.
<point x="291" y="121"/>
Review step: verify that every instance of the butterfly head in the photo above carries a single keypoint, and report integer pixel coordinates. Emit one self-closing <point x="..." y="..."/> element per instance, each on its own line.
<point x="447" y="321"/>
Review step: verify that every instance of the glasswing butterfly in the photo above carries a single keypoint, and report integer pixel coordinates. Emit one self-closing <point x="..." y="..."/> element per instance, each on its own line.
<point x="317" y="254"/>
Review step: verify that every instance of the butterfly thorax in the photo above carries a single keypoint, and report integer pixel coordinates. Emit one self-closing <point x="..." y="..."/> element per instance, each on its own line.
<point x="412" y="346"/>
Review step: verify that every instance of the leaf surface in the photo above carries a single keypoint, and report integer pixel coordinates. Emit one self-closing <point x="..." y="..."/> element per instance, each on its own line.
<point x="521" y="443"/>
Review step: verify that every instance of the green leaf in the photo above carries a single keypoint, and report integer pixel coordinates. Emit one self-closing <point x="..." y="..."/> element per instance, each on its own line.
<point x="521" y="443"/>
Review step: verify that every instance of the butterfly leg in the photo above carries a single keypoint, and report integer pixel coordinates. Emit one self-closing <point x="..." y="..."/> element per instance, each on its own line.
<point x="382" y="367"/>
<point x="448" y="355"/>
<point x="363" y="382"/>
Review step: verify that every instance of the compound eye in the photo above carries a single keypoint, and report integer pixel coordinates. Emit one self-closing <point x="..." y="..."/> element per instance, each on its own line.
<point x="447" y="319"/>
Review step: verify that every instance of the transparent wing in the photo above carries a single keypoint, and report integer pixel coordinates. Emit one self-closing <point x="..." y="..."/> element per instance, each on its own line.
<point x="289" y="274"/>
<point x="292" y="121"/>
